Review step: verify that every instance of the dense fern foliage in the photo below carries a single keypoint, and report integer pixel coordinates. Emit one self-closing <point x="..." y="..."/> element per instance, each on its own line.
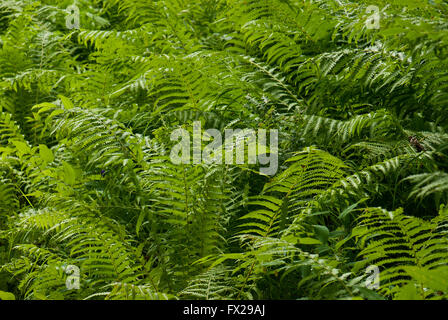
<point x="360" y="101"/>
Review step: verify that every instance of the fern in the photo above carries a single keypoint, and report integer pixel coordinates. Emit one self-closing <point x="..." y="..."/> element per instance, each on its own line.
<point x="86" y="117"/>
<point x="393" y="241"/>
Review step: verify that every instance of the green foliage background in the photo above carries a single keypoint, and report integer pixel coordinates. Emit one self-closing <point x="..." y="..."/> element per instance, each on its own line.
<point x="85" y="123"/>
